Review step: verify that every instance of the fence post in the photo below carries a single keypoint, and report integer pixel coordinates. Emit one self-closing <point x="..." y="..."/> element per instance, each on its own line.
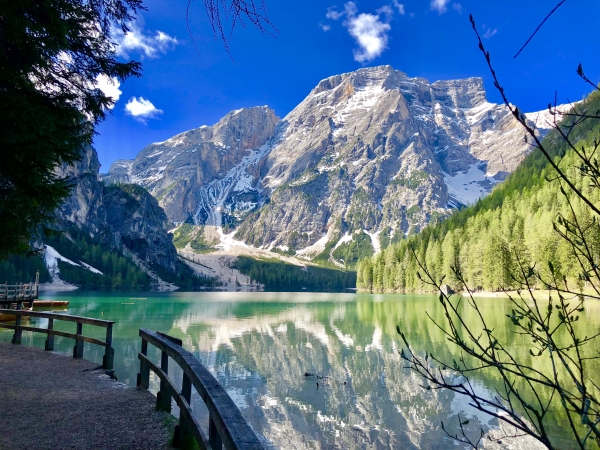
<point x="50" y="339"/>
<point x="213" y="435"/>
<point x="163" y="398"/>
<point x="109" y="351"/>
<point x="185" y="428"/>
<point x="78" y="348"/>
<point x="143" y="378"/>
<point x="18" y="332"/>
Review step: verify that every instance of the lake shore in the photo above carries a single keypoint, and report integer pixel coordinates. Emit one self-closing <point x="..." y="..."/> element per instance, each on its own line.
<point x="539" y="294"/>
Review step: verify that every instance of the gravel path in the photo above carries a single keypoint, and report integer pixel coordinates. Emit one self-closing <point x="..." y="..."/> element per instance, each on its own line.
<point x="52" y="401"/>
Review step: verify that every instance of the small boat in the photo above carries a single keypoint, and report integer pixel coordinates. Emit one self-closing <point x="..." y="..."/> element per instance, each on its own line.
<point x="11" y="317"/>
<point x="50" y="303"/>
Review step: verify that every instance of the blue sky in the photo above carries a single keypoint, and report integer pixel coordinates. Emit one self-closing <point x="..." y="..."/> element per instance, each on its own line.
<point x="183" y="88"/>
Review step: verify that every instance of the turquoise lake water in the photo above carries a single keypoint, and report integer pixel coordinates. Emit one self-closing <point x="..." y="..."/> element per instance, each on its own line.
<point x="259" y="346"/>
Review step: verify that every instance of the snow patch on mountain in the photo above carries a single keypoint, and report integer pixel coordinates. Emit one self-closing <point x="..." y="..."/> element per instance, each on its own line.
<point x="545" y="120"/>
<point x="314" y="249"/>
<point x="347" y="237"/>
<point x="374" y="240"/>
<point x="363" y="98"/>
<point x="468" y="187"/>
<point x="214" y="198"/>
<point x="51" y="257"/>
<point x="478" y="113"/>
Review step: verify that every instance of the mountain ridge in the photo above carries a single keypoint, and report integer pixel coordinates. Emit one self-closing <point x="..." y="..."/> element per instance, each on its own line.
<point x="513" y="228"/>
<point x="370" y="156"/>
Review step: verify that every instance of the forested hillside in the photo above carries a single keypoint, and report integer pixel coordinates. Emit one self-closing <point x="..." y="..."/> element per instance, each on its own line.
<point x="119" y="272"/>
<point x="278" y="276"/>
<point x="22" y="269"/>
<point x="515" y="222"/>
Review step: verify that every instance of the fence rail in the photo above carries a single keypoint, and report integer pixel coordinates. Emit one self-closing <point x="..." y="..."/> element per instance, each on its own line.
<point x="227" y="427"/>
<point x="108" y="359"/>
<point x="20" y="292"/>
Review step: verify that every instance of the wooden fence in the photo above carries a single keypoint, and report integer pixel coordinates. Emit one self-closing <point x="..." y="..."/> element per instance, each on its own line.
<point x="226" y="428"/>
<point x="20" y="292"/>
<point x="108" y="360"/>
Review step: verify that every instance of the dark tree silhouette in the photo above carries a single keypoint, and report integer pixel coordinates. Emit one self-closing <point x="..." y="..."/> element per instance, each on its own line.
<point x="51" y="53"/>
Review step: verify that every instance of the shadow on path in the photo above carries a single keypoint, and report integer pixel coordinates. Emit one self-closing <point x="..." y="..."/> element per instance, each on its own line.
<point x="52" y="401"/>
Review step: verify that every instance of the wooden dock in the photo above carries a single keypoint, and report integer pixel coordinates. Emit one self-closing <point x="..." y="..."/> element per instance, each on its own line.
<point x="19" y="293"/>
<point x="50" y="303"/>
<point x="24" y="296"/>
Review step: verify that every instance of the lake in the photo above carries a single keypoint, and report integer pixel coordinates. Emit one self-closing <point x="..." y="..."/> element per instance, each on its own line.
<point x="260" y="345"/>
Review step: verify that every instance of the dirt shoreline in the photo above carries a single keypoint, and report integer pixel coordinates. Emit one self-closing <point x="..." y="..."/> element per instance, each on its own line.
<point x="52" y="401"/>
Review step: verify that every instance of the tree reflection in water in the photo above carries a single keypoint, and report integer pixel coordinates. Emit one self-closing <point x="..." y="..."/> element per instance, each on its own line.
<point x="260" y="345"/>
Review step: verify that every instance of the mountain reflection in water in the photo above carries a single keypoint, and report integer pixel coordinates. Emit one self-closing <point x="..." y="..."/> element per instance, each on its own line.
<point x="260" y="346"/>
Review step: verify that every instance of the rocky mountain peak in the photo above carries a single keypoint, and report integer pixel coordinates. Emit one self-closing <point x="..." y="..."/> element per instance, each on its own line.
<point x="190" y="173"/>
<point x="362" y="77"/>
<point x="245" y="128"/>
<point x="464" y="93"/>
<point x="367" y="157"/>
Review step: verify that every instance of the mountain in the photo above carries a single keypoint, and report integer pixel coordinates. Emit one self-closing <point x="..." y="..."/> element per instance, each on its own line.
<point x="207" y="174"/>
<point x="368" y="157"/>
<point x="511" y="228"/>
<point x="112" y="231"/>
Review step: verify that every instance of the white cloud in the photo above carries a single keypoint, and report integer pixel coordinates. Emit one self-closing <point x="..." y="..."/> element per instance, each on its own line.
<point x="370" y="35"/>
<point x="369" y="30"/>
<point x="439" y="6"/>
<point x="141" y="109"/>
<point x="333" y="13"/>
<point x="136" y="41"/>
<point x="110" y="87"/>
<point x="399" y="7"/>
<point x="457" y="7"/>
<point x="387" y="10"/>
<point x="324" y="26"/>
<point x="488" y="32"/>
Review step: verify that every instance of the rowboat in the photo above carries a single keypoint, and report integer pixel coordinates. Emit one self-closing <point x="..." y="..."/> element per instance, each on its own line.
<point x="50" y="303"/>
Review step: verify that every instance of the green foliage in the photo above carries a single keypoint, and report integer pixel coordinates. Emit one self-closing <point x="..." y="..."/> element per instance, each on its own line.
<point x="412" y="212"/>
<point x="118" y="271"/>
<point x="362" y="211"/>
<point x="385" y="237"/>
<point x="413" y="181"/>
<point x="350" y="252"/>
<point x="487" y="241"/>
<point x="134" y="191"/>
<point x="185" y="278"/>
<point x="22" y="269"/>
<point x="165" y="191"/>
<point x="183" y="235"/>
<point x="51" y="56"/>
<point x="283" y="277"/>
<point x="193" y="235"/>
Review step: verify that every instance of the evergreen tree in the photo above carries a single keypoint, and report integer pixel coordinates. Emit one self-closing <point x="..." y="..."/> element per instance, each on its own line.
<point x="52" y="53"/>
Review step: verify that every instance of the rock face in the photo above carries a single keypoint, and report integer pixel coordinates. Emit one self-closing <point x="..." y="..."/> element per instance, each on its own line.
<point x="140" y="224"/>
<point x="85" y="206"/>
<point x="372" y="153"/>
<point x="207" y="175"/>
<point x="122" y="216"/>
